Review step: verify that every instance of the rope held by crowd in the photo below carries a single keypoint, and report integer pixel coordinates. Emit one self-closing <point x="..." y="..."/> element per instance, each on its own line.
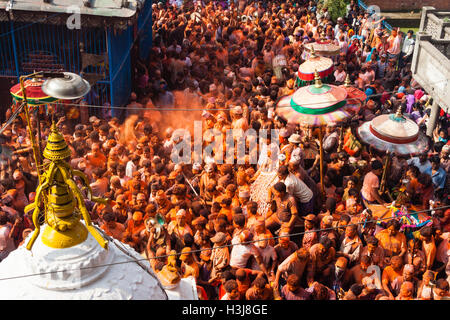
<point x="218" y="247"/>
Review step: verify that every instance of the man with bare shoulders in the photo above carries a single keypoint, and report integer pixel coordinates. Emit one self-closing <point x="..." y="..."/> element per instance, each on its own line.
<point x="296" y="263"/>
<point x="359" y="271"/>
<point x="322" y="256"/>
<point x="283" y="201"/>
<point x="285" y="246"/>
<point x="390" y="275"/>
<point x="374" y="251"/>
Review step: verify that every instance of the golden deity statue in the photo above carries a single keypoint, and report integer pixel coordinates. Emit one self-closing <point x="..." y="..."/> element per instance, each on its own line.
<point x="170" y="274"/>
<point x="61" y="200"/>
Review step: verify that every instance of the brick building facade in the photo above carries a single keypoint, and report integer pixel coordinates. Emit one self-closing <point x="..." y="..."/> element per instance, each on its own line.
<point x="405" y="5"/>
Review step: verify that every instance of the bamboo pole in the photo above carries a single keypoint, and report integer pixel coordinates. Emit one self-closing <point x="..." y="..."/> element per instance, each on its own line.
<point x="38" y="118"/>
<point x="36" y="151"/>
<point x="321" y="160"/>
<point x="386" y="168"/>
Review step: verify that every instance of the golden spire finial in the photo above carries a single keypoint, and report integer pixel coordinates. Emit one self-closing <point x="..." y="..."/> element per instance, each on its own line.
<point x="63" y="201"/>
<point x="347" y="81"/>
<point x="56" y="148"/>
<point x="399" y="114"/>
<point x="53" y="128"/>
<point x="313" y="51"/>
<point x="318" y="81"/>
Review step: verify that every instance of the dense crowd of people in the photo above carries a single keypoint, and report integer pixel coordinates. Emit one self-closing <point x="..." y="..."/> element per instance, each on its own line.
<point x="202" y="219"/>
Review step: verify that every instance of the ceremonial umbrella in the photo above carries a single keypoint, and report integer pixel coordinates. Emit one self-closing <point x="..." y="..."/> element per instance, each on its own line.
<point x="58" y="85"/>
<point x="35" y="95"/>
<point x="316" y="105"/>
<point x="393" y="133"/>
<point x="323" y="47"/>
<point x="323" y="65"/>
<point x="354" y="95"/>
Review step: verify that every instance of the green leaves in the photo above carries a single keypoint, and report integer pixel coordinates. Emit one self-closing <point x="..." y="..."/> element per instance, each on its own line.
<point x="336" y="8"/>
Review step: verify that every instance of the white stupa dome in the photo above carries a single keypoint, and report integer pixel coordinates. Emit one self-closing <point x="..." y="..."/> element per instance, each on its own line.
<point x="71" y="259"/>
<point x="85" y="271"/>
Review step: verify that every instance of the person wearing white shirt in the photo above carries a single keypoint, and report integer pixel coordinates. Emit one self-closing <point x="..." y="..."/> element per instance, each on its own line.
<point x="242" y="251"/>
<point x="340" y="74"/>
<point x="131" y="166"/>
<point x="407" y="49"/>
<point x="6" y="240"/>
<point x="343" y="44"/>
<point x="421" y="162"/>
<point x="340" y="22"/>
<point x="268" y="255"/>
<point x="297" y="155"/>
<point x="298" y="189"/>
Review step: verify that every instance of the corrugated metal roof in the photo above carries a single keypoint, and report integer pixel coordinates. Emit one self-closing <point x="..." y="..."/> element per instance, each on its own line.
<point x="105" y="8"/>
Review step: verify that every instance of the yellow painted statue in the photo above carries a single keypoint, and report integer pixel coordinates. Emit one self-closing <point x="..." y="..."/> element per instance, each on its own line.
<point x="62" y="200"/>
<point x="170" y="274"/>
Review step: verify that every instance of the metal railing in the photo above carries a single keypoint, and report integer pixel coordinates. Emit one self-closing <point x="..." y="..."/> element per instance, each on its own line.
<point x="367" y="8"/>
<point x="27" y="47"/>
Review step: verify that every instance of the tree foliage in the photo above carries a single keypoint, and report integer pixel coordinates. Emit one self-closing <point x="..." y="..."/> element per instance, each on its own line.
<point x="336" y="8"/>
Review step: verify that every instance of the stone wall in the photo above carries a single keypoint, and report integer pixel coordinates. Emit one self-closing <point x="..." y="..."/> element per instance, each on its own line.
<point x="436" y="24"/>
<point x="431" y="59"/>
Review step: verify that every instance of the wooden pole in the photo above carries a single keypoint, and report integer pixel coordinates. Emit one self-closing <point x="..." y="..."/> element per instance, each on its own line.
<point x="341" y="139"/>
<point x="321" y="160"/>
<point x="36" y="151"/>
<point x="38" y="118"/>
<point x="386" y="168"/>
